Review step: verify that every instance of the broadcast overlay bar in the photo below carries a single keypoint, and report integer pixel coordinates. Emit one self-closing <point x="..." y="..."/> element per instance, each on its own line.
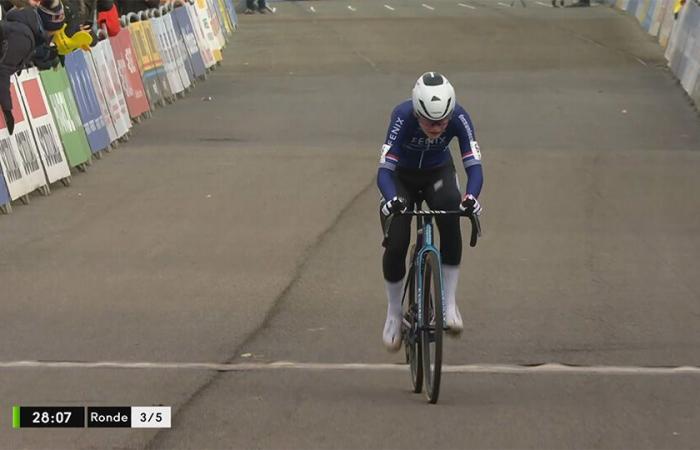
<point x="91" y="416"/>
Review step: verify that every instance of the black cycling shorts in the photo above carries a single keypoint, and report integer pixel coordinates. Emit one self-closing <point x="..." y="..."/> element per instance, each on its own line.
<point x="440" y="190"/>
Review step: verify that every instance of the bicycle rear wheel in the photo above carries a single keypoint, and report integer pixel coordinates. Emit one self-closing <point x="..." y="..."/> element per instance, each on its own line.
<point x="432" y="326"/>
<point x="412" y="337"/>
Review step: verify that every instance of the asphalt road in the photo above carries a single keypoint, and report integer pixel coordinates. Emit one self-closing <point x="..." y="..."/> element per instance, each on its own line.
<point x="244" y="230"/>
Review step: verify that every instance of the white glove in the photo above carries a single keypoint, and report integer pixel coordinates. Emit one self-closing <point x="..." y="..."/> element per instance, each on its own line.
<point x="394" y="205"/>
<point x="470" y="205"/>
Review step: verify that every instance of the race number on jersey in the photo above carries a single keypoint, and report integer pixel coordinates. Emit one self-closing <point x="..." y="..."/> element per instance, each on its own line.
<point x="382" y="156"/>
<point x="475" y="150"/>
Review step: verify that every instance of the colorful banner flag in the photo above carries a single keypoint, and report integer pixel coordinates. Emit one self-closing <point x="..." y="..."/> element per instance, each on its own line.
<point x="19" y="158"/>
<point x="108" y="82"/>
<point x="166" y="52"/>
<point x="41" y="122"/>
<point x="129" y="74"/>
<point x="65" y="113"/>
<point x="182" y="20"/>
<point x="86" y="100"/>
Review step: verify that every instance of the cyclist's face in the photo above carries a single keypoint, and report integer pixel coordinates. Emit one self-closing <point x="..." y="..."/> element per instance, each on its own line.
<point x="433" y="128"/>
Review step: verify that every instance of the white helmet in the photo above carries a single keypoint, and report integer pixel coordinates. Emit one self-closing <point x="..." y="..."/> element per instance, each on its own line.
<point x="433" y="96"/>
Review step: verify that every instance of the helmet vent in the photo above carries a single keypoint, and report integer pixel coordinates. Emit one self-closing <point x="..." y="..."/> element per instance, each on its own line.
<point x="432" y="79"/>
<point x="435" y="98"/>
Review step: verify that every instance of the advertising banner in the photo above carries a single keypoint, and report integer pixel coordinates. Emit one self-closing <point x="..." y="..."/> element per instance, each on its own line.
<point x="151" y="44"/>
<point x="4" y="194"/>
<point x="182" y="20"/>
<point x="230" y="17"/>
<point x="108" y="78"/>
<point x="683" y="51"/>
<point x="41" y="122"/>
<point x="632" y="6"/>
<point x="101" y="101"/>
<point x="231" y="9"/>
<point x="202" y="13"/>
<point x="223" y="17"/>
<point x="179" y="51"/>
<point x="649" y="16"/>
<point x="166" y="51"/>
<point x="19" y="158"/>
<point x="146" y="66"/>
<point x="86" y="100"/>
<point x="66" y="116"/>
<point x="129" y="74"/>
<point x="667" y="21"/>
<point x="181" y="41"/>
<point x="216" y="25"/>
<point x="202" y="41"/>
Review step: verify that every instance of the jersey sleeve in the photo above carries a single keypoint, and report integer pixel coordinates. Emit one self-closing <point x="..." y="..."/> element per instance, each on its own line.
<point x="469" y="147"/>
<point x="391" y="153"/>
<point x="391" y="149"/>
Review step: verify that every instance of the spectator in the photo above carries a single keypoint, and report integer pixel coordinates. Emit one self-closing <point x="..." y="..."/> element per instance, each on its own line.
<point x="250" y="9"/>
<point x="44" y="55"/>
<point x="79" y="15"/>
<point x="16" y="48"/>
<point x="127" y="6"/>
<point x="108" y="15"/>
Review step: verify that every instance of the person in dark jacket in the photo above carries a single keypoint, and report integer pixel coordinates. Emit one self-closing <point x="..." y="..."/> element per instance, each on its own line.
<point x="250" y="7"/>
<point x="127" y="6"/>
<point x="17" y="35"/>
<point x="45" y="55"/>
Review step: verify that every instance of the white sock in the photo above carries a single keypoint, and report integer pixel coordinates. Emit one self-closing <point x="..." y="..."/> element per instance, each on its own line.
<point x="450" y="277"/>
<point x="394" y="291"/>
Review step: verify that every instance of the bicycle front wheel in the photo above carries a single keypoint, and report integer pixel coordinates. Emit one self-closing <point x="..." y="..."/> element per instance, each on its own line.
<point x="432" y="326"/>
<point x="412" y="337"/>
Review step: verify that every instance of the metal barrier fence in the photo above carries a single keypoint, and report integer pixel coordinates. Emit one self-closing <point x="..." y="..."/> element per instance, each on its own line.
<point x="67" y="116"/>
<point x="676" y="25"/>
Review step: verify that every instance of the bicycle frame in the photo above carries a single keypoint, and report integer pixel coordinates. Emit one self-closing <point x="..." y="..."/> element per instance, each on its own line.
<point x="424" y="245"/>
<point x="419" y="332"/>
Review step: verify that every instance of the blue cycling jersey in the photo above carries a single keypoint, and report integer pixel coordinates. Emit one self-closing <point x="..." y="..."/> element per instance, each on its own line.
<point x="408" y="147"/>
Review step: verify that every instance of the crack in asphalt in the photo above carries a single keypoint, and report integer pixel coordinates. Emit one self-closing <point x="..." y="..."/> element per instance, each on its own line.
<point x="310" y="251"/>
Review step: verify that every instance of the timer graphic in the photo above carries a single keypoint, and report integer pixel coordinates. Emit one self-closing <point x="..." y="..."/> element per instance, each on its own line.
<point x="96" y="416"/>
<point x="48" y="417"/>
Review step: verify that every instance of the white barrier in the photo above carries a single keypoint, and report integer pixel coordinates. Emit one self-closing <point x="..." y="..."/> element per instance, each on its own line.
<point x="101" y="100"/>
<point x="667" y="21"/>
<point x="18" y="154"/>
<point x="683" y="51"/>
<point x="216" y="25"/>
<point x="201" y="11"/>
<point x="166" y="52"/>
<point x="43" y="127"/>
<point x="189" y="42"/>
<point x="178" y="49"/>
<point x="680" y="36"/>
<point x="202" y="41"/>
<point x="106" y="68"/>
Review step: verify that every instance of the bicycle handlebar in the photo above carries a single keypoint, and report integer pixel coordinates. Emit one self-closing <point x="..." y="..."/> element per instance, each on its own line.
<point x="474" y="219"/>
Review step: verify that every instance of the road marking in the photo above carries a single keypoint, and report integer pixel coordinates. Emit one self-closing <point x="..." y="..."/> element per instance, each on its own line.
<point x="351" y="8"/>
<point x="374" y="66"/>
<point x="464" y="5"/>
<point x="427" y="6"/>
<point x="549" y="368"/>
<point x="544" y="4"/>
<point x="503" y="4"/>
<point x="389" y="7"/>
<point x="312" y="9"/>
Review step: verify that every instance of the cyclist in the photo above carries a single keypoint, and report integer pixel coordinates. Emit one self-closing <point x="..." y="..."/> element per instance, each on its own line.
<point x="416" y="158"/>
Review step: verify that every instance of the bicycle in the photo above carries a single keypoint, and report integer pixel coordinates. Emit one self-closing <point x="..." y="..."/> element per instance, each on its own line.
<point x="423" y="320"/>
